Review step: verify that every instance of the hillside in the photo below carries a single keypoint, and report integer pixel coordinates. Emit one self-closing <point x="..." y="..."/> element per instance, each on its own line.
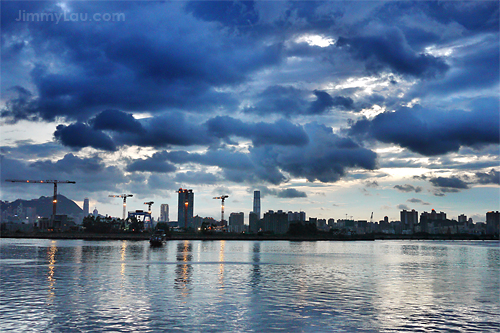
<point x="43" y="205"/>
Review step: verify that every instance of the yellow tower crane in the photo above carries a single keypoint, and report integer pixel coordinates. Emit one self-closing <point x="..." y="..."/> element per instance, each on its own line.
<point x="222" y="197"/>
<point x="124" y="196"/>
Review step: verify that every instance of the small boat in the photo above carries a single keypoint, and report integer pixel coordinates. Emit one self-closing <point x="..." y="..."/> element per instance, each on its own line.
<point x="157" y="239"/>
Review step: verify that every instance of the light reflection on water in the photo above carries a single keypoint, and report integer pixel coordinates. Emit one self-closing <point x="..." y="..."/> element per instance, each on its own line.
<point x="249" y="286"/>
<point x="51" y="257"/>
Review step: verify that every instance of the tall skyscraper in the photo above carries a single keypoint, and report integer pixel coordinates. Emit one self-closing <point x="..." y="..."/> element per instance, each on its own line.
<point x="256" y="203"/>
<point x="409" y="219"/>
<point x="164" y="213"/>
<point x="185" y="208"/>
<point x="86" y="210"/>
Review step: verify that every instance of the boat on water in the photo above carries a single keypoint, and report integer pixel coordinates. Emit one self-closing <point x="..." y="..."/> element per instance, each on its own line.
<point x="157" y="239"/>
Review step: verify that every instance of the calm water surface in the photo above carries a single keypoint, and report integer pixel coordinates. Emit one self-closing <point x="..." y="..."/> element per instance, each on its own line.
<point x="249" y="286"/>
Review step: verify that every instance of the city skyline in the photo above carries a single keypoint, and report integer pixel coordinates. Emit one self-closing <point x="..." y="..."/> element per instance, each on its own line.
<point x="331" y="108"/>
<point x="409" y="216"/>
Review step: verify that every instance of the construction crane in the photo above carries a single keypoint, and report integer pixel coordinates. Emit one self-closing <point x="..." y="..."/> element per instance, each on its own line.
<point x="55" y="182"/>
<point x="149" y="203"/>
<point x="222" y="197"/>
<point x="124" y="196"/>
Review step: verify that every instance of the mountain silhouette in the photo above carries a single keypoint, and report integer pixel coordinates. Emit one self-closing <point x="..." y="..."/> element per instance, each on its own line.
<point x="43" y="206"/>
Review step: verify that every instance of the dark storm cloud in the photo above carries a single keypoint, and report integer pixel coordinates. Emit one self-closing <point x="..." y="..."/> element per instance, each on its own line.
<point x="125" y="65"/>
<point x="17" y="169"/>
<point x="449" y="183"/>
<point x="236" y="166"/>
<point x="389" y="49"/>
<point x="433" y="132"/>
<point x="408" y="188"/>
<point x="291" y="193"/>
<point x="132" y="66"/>
<point x="162" y="182"/>
<point x="475" y="67"/>
<point x="116" y="120"/>
<point x="199" y="177"/>
<point x="427" y="23"/>
<point x="263" y="171"/>
<point x="159" y="131"/>
<point x="258" y="18"/>
<point x="27" y="149"/>
<point x="167" y="129"/>
<point x="174" y="129"/>
<point x="150" y="165"/>
<point x="473" y="15"/>
<point x="288" y="101"/>
<point x="282" y="132"/>
<point x="326" y="157"/>
<point x="70" y="164"/>
<point x="415" y="200"/>
<point x="324" y="102"/>
<point x="491" y="177"/>
<point x="19" y="107"/>
<point x="239" y="14"/>
<point x="79" y="135"/>
<point x="225" y="159"/>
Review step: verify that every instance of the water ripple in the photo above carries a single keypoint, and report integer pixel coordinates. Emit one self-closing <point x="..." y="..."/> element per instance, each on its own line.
<point x="120" y="286"/>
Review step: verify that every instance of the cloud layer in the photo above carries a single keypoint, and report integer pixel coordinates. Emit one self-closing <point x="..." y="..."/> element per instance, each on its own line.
<point x="281" y="94"/>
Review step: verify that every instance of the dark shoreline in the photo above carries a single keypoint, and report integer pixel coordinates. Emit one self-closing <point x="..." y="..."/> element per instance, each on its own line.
<point x="244" y="237"/>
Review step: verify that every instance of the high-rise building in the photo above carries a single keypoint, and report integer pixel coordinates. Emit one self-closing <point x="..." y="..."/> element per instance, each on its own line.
<point x="86" y="210"/>
<point x="276" y="222"/>
<point x="164" y="213"/>
<point x="297" y="217"/>
<point x="254" y="222"/>
<point x="409" y="219"/>
<point x="256" y="203"/>
<point x="185" y="208"/>
<point x="236" y="218"/>
<point x="237" y="222"/>
<point x="493" y="222"/>
<point x="427" y="219"/>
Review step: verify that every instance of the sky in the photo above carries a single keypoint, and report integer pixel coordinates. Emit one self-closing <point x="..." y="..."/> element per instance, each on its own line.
<point x="339" y="109"/>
